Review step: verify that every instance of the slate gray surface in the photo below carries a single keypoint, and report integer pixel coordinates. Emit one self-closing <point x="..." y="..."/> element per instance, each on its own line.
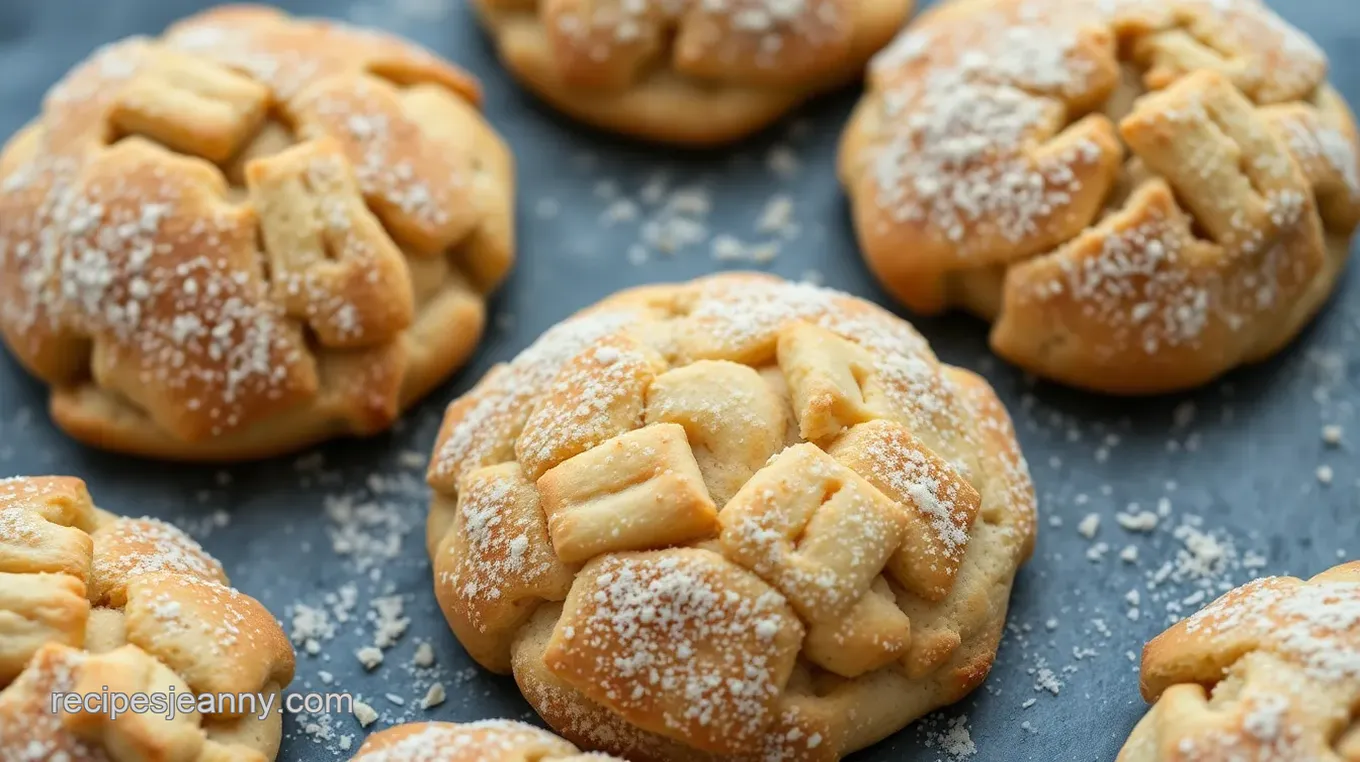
<point x="1240" y="456"/>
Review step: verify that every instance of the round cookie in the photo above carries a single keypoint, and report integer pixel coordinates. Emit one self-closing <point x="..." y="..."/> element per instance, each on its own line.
<point x="485" y="741"/>
<point x="91" y="603"/>
<point x="731" y="518"/>
<point x="1141" y="194"/>
<point x="250" y="234"/>
<point x="688" y="72"/>
<point x="1270" y="672"/>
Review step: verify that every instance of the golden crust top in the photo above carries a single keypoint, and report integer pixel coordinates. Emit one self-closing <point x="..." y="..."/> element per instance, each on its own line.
<point x="1142" y="194"/>
<point x="90" y="602"/>
<point x="249" y="234"/>
<point x="484" y="741"/>
<point x="684" y="70"/>
<point x="679" y="512"/>
<point x="1269" y="672"/>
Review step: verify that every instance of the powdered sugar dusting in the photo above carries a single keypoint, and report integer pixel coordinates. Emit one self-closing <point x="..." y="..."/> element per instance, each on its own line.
<point x="1329" y="144"/>
<point x="984" y="143"/>
<point x="652" y="634"/>
<point x="30" y="731"/>
<point x="729" y="30"/>
<point x="147" y="546"/>
<point x="673" y="634"/>
<point x="487" y="739"/>
<point x="602" y="390"/>
<point x="955" y="157"/>
<point x="500" y="403"/>
<point x="933" y="494"/>
<point x="1314" y="625"/>
<point x="502" y="553"/>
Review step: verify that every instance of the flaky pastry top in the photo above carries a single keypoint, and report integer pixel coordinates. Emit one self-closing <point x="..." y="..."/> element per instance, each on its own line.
<point x="484" y="741"/>
<point x="1270" y="672"/>
<point x="635" y="65"/>
<point x="735" y="516"/>
<point x="250" y="218"/>
<point x="93" y="603"/>
<point x="1142" y="194"/>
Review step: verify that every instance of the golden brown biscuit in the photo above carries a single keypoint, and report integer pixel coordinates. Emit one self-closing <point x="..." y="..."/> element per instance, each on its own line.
<point x="1141" y="194"/>
<point x="485" y="741"/>
<point x="1270" y="672"/>
<point x="688" y="71"/>
<point x="91" y="603"/>
<point x="249" y="235"/>
<point x="731" y="518"/>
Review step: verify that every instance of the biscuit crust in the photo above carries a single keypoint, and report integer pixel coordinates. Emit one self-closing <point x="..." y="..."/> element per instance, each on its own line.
<point x="735" y="518"/>
<point x="484" y="741"/>
<point x="688" y="72"/>
<point x="1140" y="195"/>
<point x="250" y="234"/>
<point x="1269" y="672"/>
<point x="91" y="602"/>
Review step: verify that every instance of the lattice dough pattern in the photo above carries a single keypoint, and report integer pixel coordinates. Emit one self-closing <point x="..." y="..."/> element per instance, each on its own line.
<point x="485" y="741"/>
<point x="1270" y="672"/>
<point x="687" y="71"/>
<point x="1141" y="194"/>
<point x="250" y="234"/>
<point x="736" y="516"/>
<point x="94" y="603"/>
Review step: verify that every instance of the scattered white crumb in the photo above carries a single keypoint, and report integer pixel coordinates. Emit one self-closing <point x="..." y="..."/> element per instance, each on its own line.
<point x="434" y="696"/>
<point x="1143" y="521"/>
<point x="1332" y="435"/>
<point x="1089" y="526"/>
<point x="365" y="714"/>
<point x="1324" y="474"/>
<point x="412" y="459"/>
<point x="777" y="218"/>
<point x="389" y="624"/>
<point x="782" y="162"/>
<point x="424" y="655"/>
<point x="370" y="657"/>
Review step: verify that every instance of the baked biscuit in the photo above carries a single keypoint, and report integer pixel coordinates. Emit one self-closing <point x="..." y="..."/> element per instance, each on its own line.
<point x="1141" y="194"/>
<point x="732" y="518"/>
<point x="1270" y="672"/>
<point x="687" y="71"/>
<point x="485" y="741"/>
<point x="91" y="603"/>
<point x="250" y="234"/>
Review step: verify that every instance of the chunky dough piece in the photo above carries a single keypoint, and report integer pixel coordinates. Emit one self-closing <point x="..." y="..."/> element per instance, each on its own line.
<point x="250" y="234"/>
<point x="687" y="71"/>
<point x="91" y="602"/>
<point x="485" y="741"/>
<point x="1269" y="672"/>
<point x="735" y="518"/>
<point x="1141" y="195"/>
